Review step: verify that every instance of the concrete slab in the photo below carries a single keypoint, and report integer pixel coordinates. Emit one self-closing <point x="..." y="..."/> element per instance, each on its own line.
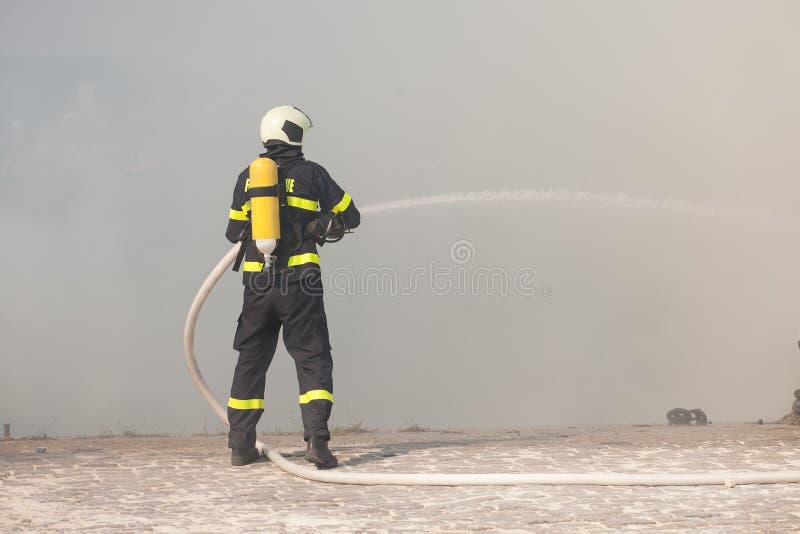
<point x="178" y="484"/>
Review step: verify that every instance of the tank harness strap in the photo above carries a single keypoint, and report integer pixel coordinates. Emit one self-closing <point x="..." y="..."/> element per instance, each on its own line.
<point x="268" y="191"/>
<point x="244" y="239"/>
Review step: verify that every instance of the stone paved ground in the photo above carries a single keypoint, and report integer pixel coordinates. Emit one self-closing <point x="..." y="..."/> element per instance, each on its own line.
<point x="178" y="484"/>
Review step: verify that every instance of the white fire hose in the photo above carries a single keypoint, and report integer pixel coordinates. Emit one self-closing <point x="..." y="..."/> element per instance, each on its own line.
<point x="728" y="478"/>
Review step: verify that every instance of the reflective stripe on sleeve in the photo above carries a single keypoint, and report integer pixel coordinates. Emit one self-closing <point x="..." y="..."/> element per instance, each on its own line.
<point x="316" y="394"/>
<point x="343" y="204"/>
<point x="302" y="203"/>
<point x="238" y="215"/>
<point x="300" y="259"/>
<point x="242" y="214"/>
<point x="246" y="404"/>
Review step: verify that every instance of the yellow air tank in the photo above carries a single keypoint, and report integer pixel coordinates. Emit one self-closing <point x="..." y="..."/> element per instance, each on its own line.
<point x="264" y="206"/>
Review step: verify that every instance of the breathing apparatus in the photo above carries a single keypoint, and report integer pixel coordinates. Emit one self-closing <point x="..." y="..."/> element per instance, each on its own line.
<point x="265" y="208"/>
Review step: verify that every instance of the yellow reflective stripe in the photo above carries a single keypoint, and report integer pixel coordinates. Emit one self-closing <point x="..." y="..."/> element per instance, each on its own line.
<point x="302" y="203"/>
<point x="237" y="215"/>
<point x="300" y="259"/>
<point x="253" y="266"/>
<point x="240" y="215"/>
<point x="316" y="394"/>
<point x="246" y="404"/>
<point x="343" y="204"/>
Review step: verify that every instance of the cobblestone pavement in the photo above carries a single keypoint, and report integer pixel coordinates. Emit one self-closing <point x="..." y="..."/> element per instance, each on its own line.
<point x="178" y="484"/>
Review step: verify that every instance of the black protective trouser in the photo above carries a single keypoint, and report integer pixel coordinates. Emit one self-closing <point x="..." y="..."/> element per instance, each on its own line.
<point x="300" y="310"/>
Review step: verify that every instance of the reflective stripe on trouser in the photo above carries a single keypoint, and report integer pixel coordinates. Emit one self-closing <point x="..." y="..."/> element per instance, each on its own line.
<point x="301" y="313"/>
<point x="316" y="394"/>
<point x="253" y="266"/>
<point x="294" y="261"/>
<point x="300" y="259"/>
<point x="246" y="404"/>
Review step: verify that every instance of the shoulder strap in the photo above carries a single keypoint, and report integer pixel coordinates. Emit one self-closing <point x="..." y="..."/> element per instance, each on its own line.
<point x="244" y="239"/>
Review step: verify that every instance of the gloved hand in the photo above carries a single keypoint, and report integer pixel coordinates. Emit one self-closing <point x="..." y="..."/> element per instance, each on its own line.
<point x="326" y="228"/>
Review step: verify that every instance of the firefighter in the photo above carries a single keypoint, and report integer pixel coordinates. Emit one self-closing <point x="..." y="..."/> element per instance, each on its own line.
<point x="286" y="289"/>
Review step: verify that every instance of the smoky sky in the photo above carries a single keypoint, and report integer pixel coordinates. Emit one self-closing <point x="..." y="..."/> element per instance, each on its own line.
<point x="123" y="127"/>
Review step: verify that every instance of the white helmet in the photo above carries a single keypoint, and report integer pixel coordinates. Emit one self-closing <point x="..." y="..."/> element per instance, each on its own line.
<point x="285" y="123"/>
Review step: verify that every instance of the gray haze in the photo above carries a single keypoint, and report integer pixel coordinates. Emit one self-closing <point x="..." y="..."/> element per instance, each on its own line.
<point x="123" y="127"/>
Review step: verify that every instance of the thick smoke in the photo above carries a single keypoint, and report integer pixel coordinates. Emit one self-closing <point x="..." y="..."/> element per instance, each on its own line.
<point x="637" y="160"/>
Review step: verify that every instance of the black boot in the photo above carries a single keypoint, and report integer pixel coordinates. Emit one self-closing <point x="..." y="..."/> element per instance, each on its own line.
<point x="244" y="456"/>
<point x="319" y="454"/>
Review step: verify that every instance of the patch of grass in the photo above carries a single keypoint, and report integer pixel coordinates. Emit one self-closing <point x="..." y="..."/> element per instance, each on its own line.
<point x="415" y="428"/>
<point x="354" y="428"/>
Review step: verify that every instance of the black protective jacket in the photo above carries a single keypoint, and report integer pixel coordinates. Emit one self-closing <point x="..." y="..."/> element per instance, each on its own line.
<point x="306" y="189"/>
